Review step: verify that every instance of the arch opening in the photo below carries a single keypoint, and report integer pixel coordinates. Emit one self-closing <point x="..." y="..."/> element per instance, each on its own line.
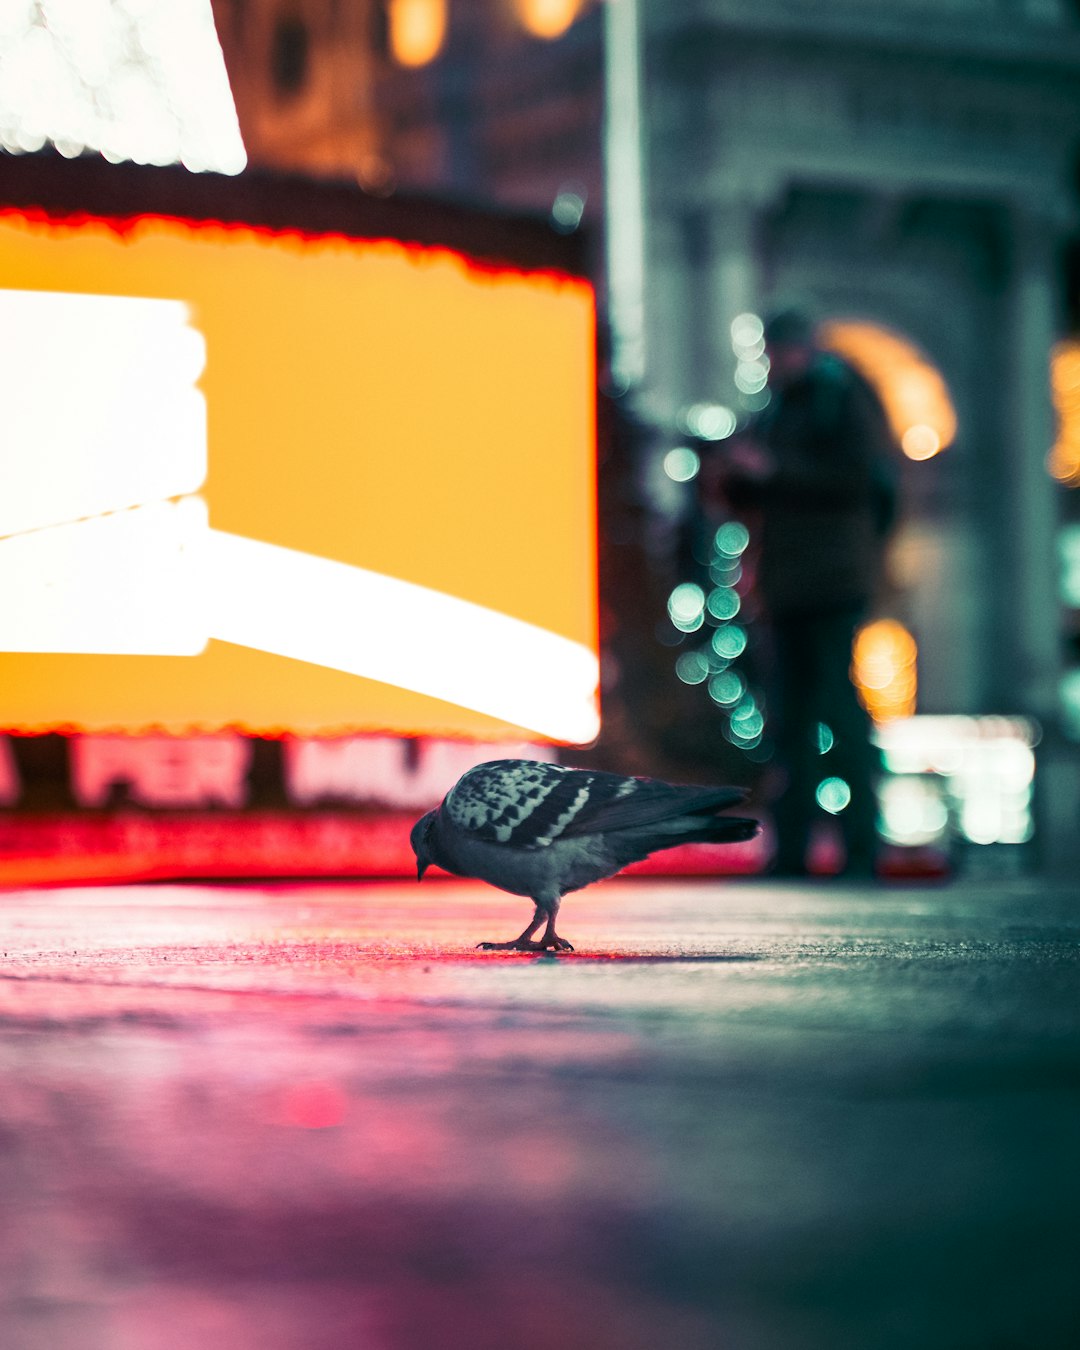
<point x="914" y="393"/>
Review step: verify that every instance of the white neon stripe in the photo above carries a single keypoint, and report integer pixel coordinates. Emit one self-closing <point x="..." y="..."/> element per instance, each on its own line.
<point x="332" y="614"/>
<point x="101" y="411"/>
<point x="126" y="584"/>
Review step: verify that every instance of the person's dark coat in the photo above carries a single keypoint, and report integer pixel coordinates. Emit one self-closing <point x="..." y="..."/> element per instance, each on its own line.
<point x="826" y="509"/>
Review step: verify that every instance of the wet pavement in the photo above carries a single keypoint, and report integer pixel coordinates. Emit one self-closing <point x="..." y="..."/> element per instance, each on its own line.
<point x="740" y="1115"/>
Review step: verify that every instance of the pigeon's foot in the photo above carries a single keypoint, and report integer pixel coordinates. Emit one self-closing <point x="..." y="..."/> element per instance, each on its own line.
<point x="523" y="944"/>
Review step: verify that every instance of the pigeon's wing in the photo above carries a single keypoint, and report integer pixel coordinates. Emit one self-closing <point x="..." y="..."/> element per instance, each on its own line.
<point x="514" y="801"/>
<point x="530" y="804"/>
<point x="617" y="803"/>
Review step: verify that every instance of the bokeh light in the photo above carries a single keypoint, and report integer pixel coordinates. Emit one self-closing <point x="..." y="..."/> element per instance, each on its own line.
<point x="884" y="669"/>
<point x="723" y="603"/>
<point x="727" y="687"/>
<point x="1069" y="692"/>
<point x="920" y="442"/>
<point x="747" y="336"/>
<point x="417" y="30"/>
<point x="548" y="18"/>
<point x="1064" y="459"/>
<point x="1069" y="559"/>
<point x="915" y="396"/>
<point x="682" y="464"/>
<point x="912" y="810"/>
<point x="823" y="738"/>
<point x="731" y="539"/>
<point x="709" y="421"/>
<point x="725" y="571"/>
<point x="568" y="208"/>
<point x="978" y="770"/>
<point x="747" y="720"/>
<point x="692" y="667"/>
<point x="686" y="607"/>
<point x="751" y="376"/>
<point x="833" y="795"/>
<point x="729" y="641"/>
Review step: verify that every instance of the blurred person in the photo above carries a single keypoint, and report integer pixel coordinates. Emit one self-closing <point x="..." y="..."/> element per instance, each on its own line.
<point x="815" y="467"/>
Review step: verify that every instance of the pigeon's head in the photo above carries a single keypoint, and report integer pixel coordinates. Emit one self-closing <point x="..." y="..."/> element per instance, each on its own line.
<point x="420" y="839"/>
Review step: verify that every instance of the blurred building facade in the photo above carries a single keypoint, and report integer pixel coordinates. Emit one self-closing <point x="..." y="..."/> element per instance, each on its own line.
<point x="498" y="101"/>
<point x="913" y="169"/>
<point x="909" y="172"/>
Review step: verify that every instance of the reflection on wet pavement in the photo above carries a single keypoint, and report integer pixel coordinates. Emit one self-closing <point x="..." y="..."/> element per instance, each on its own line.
<point x="316" y="1116"/>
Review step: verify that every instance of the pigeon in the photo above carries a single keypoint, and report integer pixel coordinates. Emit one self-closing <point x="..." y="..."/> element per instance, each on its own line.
<point x="540" y="830"/>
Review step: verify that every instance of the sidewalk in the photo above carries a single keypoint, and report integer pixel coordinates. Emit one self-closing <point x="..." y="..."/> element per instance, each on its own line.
<point x="740" y="1115"/>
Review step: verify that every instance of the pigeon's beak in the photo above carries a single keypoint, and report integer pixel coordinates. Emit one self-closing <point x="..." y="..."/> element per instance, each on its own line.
<point x="421" y="868"/>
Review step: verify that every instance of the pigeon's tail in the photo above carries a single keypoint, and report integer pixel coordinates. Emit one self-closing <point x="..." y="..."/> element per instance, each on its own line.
<point x="708" y="830"/>
<point x="632" y="845"/>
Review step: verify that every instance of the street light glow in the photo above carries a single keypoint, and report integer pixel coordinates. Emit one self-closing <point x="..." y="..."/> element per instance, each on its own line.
<point x="417" y="30"/>
<point x="547" y="18"/>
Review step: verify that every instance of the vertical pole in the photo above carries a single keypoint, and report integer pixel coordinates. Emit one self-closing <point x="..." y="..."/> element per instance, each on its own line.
<point x="1030" y="552"/>
<point x="624" y="191"/>
<point x="1035" y="620"/>
<point x="733" y="287"/>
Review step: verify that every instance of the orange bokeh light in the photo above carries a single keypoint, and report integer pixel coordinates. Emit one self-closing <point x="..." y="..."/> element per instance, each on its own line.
<point x="548" y="18"/>
<point x="417" y="30"/>
<point x="1064" y="461"/>
<point x="884" y="669"/>
<point x="915" y="396"/>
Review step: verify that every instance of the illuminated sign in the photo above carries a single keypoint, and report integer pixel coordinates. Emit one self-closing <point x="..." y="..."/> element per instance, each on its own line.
<point x="166" y="772"/>
<point x="279" y="482"/>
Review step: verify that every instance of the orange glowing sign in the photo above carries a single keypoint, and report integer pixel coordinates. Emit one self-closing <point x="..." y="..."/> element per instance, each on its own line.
<point x="281" y="482"/>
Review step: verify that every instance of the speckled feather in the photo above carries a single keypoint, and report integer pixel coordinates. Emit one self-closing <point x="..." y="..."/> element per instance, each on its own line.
<point x="530" y="805"/>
